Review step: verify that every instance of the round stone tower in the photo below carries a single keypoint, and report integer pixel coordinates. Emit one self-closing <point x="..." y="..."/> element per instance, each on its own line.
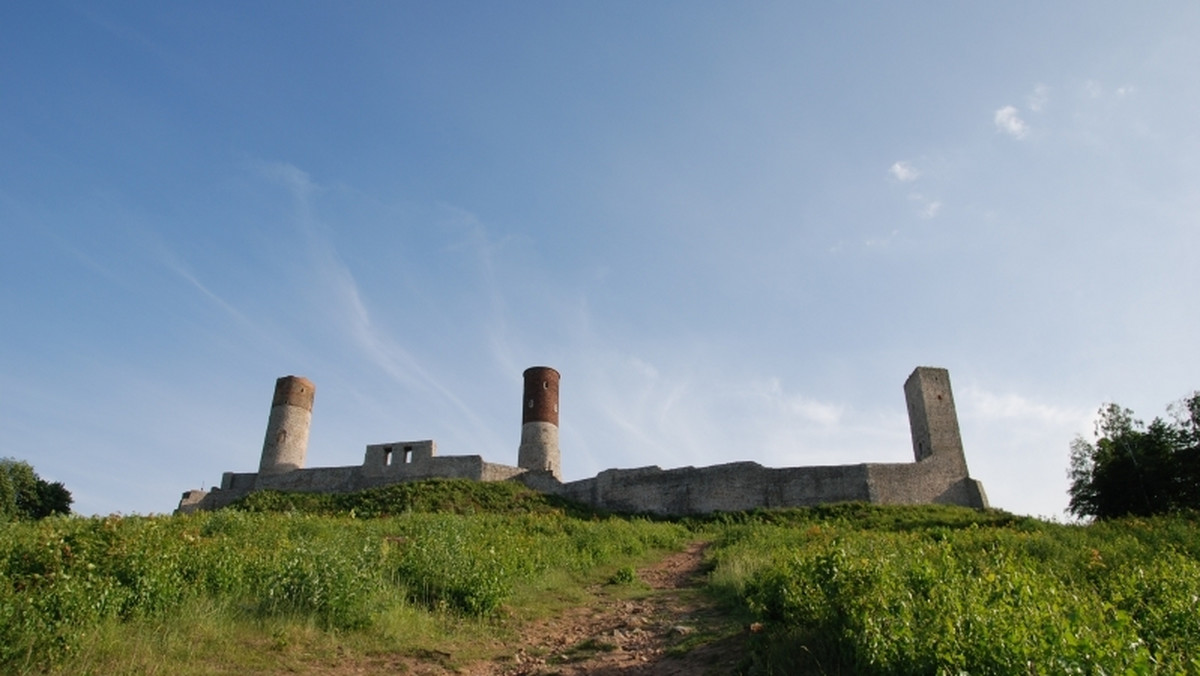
<point x="286" y="443"/>
<point x="539" y="422"/>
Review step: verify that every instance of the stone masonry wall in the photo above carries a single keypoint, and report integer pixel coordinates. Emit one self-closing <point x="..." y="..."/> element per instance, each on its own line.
<point x="347" y="479"/>
<point x="939" y="474"/>
<point x="748" y="485"/>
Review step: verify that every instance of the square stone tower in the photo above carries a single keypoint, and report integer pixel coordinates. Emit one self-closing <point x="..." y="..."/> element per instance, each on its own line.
<point x="934" y="420"/>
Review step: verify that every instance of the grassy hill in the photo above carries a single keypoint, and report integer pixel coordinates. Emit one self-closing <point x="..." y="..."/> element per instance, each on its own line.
<point x="288" y="582"/>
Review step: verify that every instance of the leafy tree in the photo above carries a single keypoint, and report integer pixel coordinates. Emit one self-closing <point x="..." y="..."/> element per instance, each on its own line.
<point x="1138" y="469"/>
<point x="25" y="495"/>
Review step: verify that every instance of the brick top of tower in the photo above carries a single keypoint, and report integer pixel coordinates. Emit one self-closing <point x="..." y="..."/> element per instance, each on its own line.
<point x="294" y="391"/>
<point x="540" y="403"/>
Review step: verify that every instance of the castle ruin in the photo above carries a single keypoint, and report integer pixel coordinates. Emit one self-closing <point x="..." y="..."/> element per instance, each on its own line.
<point x="937" y="475"/>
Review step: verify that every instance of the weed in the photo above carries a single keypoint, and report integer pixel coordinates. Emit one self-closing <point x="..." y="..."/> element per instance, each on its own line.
<point x="623" y="575"/>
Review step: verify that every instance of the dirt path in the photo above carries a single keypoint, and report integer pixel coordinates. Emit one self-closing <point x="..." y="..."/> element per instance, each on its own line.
<point x="660" y="625"/>
<point x="670" y="630"/>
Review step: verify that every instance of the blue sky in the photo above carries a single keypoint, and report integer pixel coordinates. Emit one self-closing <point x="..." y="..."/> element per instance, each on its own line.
<point x="734" y="228"/>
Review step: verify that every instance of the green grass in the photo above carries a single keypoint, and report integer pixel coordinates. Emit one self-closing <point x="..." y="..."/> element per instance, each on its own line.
<point x="453" y="496"/>
<point x="449" y="570"/>
<point x="67" y="582"/>
<point x="907" y="595"/>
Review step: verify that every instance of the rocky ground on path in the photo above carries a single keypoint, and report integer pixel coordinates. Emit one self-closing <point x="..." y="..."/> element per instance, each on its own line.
<point x="671" y="630"/>
<point x="660" y="623"/>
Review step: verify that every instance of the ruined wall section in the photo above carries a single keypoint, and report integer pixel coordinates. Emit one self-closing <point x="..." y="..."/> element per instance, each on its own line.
<point x="748" y="485"/>
<point x="316" y="480"/>
<point x="397" y="458"/>
<point x="492" y="471"/>
<point x="921" y="483"/>
<point x="384" y="465"/>
<point x="719" y="488"/>
<point x="651" y="490"/>
<point x="196" y="500"/>
<point x="239" y="481"/>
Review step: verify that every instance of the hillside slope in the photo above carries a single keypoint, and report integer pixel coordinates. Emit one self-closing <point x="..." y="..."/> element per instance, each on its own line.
<point x="491" y="578"/>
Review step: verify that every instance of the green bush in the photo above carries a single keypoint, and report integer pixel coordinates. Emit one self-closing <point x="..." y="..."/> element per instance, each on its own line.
<point x="457" y="496"/>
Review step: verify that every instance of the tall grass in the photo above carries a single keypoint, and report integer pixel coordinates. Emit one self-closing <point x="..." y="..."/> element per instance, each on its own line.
<point x="966" y="597"/>
<point x="833" y="590"/>
<point x="63" y="578"/>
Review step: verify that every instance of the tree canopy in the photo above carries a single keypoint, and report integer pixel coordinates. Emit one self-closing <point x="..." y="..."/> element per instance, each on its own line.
<point x="1138" y="469"/>
<point x="26" y="496"/>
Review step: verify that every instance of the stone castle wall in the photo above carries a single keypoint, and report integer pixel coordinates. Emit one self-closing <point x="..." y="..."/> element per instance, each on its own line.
<point x="939" y="474"/>
<point x="350" y="478"/>
<point x="748" y="485"/>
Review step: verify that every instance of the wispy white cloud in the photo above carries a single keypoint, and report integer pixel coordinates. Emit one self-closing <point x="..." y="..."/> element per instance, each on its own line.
<point x="634" y="412"/>
<point x="1038" y="99"/>
<point x="341" y="303"/>
<point x="172" y="263"/>
<point x="1019" y="447"/>
<point x="477" y="242"/>
<point x="927" y="207"/>
<point x="904" y="172"/>
<point x="1008" y="120"/>
<point x="290" y="176"/>
<point x="771" y="393"/>
<point x="984" y="404"/>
